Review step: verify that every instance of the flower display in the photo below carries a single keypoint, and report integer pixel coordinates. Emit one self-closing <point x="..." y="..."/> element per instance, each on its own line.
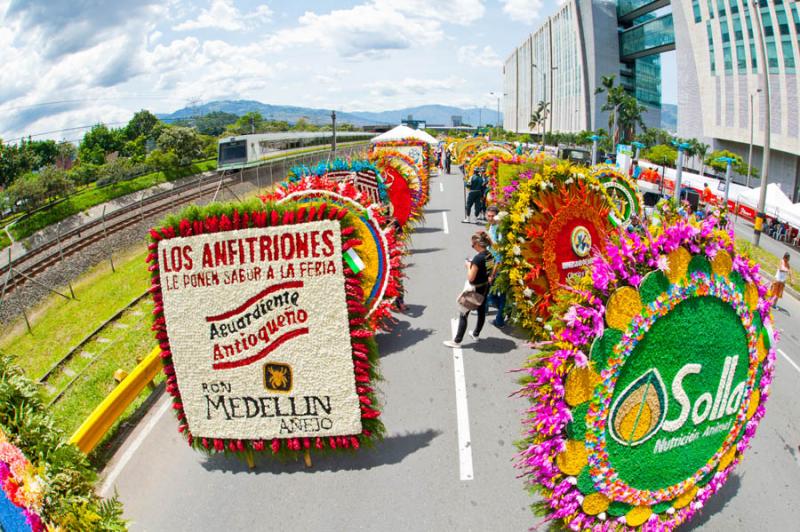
<point x="557" y="218"/>
<point x="486" y="154"/>
<point x="23" y="490"/>
<point x="392" y="161"/>
<point x="637" y="415"/>
<point x="377" y="246"/>
<point x="622" y="190"/>
<point x="402" y="157"/>
<point x="418" y="150"/>
<point x="362" y="175"/>
<point x="466" y="148"/>
<point x="198" y="222"/>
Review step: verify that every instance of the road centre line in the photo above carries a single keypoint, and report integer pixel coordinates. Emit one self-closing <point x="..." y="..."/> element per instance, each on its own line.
<point x="108" y="481"/>
<point x="441" y="187"/>
<point x="444" y="221"/>
<point x="789" y="360"/>
<point x="462" y="412"/>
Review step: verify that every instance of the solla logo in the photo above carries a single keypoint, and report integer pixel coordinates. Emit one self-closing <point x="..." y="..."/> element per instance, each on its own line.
<point x="640" y="411"/>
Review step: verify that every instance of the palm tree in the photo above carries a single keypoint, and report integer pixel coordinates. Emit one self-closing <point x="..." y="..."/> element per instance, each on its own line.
<point x="539" y="117"/>
<point x="701" y="150"/>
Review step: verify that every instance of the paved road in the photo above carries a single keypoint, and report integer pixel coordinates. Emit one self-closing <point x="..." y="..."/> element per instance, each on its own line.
<point x="413" y="480"/>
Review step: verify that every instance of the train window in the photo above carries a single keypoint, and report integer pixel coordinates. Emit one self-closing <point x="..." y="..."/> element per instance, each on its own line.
<point x="232" y="152"/>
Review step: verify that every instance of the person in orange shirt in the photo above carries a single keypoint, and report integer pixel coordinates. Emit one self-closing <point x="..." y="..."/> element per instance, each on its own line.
<point x="707" y="197"/>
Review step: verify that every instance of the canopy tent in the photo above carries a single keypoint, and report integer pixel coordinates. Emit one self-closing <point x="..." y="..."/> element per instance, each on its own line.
<point x="402" y="133"/>
<point x="778" y="204"/>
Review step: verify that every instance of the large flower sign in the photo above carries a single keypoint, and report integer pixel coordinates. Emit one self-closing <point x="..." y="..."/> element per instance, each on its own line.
<point x="263" y="333"/>
<point x="639" y="413"/>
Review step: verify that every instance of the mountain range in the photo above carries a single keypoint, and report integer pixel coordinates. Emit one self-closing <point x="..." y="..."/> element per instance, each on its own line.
<point x="432" y="114"/>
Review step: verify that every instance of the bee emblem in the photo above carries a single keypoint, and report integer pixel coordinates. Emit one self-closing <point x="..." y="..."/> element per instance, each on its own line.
<point x="278" y="377"/>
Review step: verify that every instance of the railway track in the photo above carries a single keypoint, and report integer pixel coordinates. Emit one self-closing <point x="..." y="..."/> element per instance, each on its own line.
<point x="44" y="256"/>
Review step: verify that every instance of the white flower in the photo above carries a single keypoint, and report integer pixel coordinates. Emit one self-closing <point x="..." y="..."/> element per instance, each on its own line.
<point x="568" y="181"/>
<point x="516" y="250"/>
<point x="662" y="263"/>
<point x="527" y="292"/>
<point x="500" y="215"/>
<point x="543" y="186"/>
<point x="528" y="212"/>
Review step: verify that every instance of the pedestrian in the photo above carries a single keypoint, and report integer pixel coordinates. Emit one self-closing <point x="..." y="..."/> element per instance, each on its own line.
<point x="478" y="278"/>
<point x="475" y="187"/>
<point x="707" y="196"/>
<point x="781" y="276"/>
<point x="447" y="160"/>
<point x="497" y="298"/>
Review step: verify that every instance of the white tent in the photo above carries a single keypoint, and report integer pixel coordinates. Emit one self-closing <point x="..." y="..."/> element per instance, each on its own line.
<point x="402" y="133"/>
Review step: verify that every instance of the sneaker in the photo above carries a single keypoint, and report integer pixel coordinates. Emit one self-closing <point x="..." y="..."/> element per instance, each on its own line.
<point x="465" y="221"/>
<point x="498" y="325"/>
<point x="451" y="343"/>
<point x="473" y="335"/>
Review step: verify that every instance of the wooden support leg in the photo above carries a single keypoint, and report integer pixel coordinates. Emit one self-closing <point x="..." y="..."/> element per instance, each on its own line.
<point x="248" y="456"/>
<point x="307" y="457"/>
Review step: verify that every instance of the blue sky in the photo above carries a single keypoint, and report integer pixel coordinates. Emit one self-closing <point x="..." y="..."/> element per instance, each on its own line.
<point x="70" y="63"/>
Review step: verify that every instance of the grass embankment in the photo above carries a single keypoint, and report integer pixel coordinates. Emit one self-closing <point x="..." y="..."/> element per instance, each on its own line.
<point x="60" y="324"/>
<point x="767" y="261"/>
<point x="92" y="196"/>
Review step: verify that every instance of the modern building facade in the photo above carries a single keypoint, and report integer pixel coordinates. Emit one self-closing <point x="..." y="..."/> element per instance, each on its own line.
<point x="717" y="65"/>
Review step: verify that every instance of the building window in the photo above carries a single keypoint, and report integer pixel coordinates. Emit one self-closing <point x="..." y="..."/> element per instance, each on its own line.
<point x="734" y="6"/>
<point x="723" y="26"/>
<point x="783" y="19"/>
<point x="738" y="35"/>
<point x="721" y="8"/>
<point x="698" y="16"/>
<point x="753" y="58"/>
<point x="772" y="56"/>
<point x="788" y="54"/>
<point x="727" y="58"/>
<point x="712" y="60"/>
<point x="710" y="9"/>
<point x="741" y="59"/>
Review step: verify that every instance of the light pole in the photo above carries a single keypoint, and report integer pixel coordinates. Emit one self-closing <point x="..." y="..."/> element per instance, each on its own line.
<point x="497" y="95"/>
<point x="762" y="196"/>
<point x="750" y="151"/>
<point x="333" y="123"/>
<point x="594" y="138"/>
<point x="729" y="161"/>
<point x="638" y="145"/>
<point x="544" y="98"/>
<point x="679" y="171"/>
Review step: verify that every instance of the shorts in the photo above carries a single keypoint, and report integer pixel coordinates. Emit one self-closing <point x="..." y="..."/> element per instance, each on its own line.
<point x="777" y="289"/>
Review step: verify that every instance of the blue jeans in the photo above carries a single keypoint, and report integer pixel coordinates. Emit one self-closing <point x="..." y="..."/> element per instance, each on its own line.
<point x="499" y="301"/>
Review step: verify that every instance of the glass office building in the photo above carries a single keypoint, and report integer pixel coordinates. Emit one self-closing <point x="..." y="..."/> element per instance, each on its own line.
<point x="717" y="68"/>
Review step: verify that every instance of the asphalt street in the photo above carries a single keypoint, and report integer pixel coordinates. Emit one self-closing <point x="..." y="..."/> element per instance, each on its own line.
<point x="447" y="463"/>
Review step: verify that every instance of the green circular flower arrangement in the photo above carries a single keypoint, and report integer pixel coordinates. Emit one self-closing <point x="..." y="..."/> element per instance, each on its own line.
<point x="622" y="190"/>
<point x="654" y="381"/>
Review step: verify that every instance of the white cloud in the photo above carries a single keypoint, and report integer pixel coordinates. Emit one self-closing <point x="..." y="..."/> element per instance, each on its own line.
<point x="525" y="11"/>
<point x="472" y="55"/>
<point x="413" y="86"/>
<point x="462" y="12"/>
<point x="222" y="14"/>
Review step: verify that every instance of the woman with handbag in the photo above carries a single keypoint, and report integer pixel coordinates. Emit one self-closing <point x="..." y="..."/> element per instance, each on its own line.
<point x="475" y="291"/>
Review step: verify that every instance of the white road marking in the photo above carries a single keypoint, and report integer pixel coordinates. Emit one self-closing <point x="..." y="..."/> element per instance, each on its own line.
<point x="108" y="481"/>
<point x="444" y="221"/>
<point x="789" y="360"/>
<point x="462" y="413"/>
<point x="441" y="187"/>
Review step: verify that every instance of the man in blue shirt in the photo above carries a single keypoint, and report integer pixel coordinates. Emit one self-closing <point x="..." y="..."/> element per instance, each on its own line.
<point x="496" y="298"/>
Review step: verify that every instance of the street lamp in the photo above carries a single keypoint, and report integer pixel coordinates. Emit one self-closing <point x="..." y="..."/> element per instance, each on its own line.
<point x="750" y="152"/>
<point x="729" y="162"/>
<point x="679" y="171"/>
<point x="594" y="139"/>
<point x="762" y="196"/>
<point x="497" y="95"/>
<point x="638" y="145"/>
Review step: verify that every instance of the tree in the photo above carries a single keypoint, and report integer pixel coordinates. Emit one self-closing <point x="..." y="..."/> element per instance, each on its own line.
<point x="625" y="112"/>
<point x="183" y="141"/>
<point x="55" y="182"/>
<point x="163" y="161"/>
<point x="663" y="155"/>
<point x="27" y="192"/>
<point x="83" y="174"/>
<point x="143" y="124"/>
<point x="720" y="166"/>
<point x="99" y="142"/>
<point x="214" y="123"/>
<point x="700" y="152"/>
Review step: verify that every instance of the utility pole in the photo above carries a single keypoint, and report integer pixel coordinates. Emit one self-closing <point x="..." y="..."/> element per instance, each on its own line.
<point x="762" y="197"/>
<point x="497" y="120"/>
<point x="333" y="121"/>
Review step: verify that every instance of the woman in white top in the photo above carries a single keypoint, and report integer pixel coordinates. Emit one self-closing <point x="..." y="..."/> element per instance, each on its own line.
<point x="780" y="278"/>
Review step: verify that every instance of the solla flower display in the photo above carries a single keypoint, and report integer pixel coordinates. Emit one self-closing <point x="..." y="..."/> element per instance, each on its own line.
<point x="234" y="218"/>
<point x="388" y="160"/>
<point x="638" y="415"/>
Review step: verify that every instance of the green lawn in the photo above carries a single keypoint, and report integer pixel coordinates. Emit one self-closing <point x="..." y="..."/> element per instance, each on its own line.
<point x="768" y="261"/>
<point x="58" y="324"/>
